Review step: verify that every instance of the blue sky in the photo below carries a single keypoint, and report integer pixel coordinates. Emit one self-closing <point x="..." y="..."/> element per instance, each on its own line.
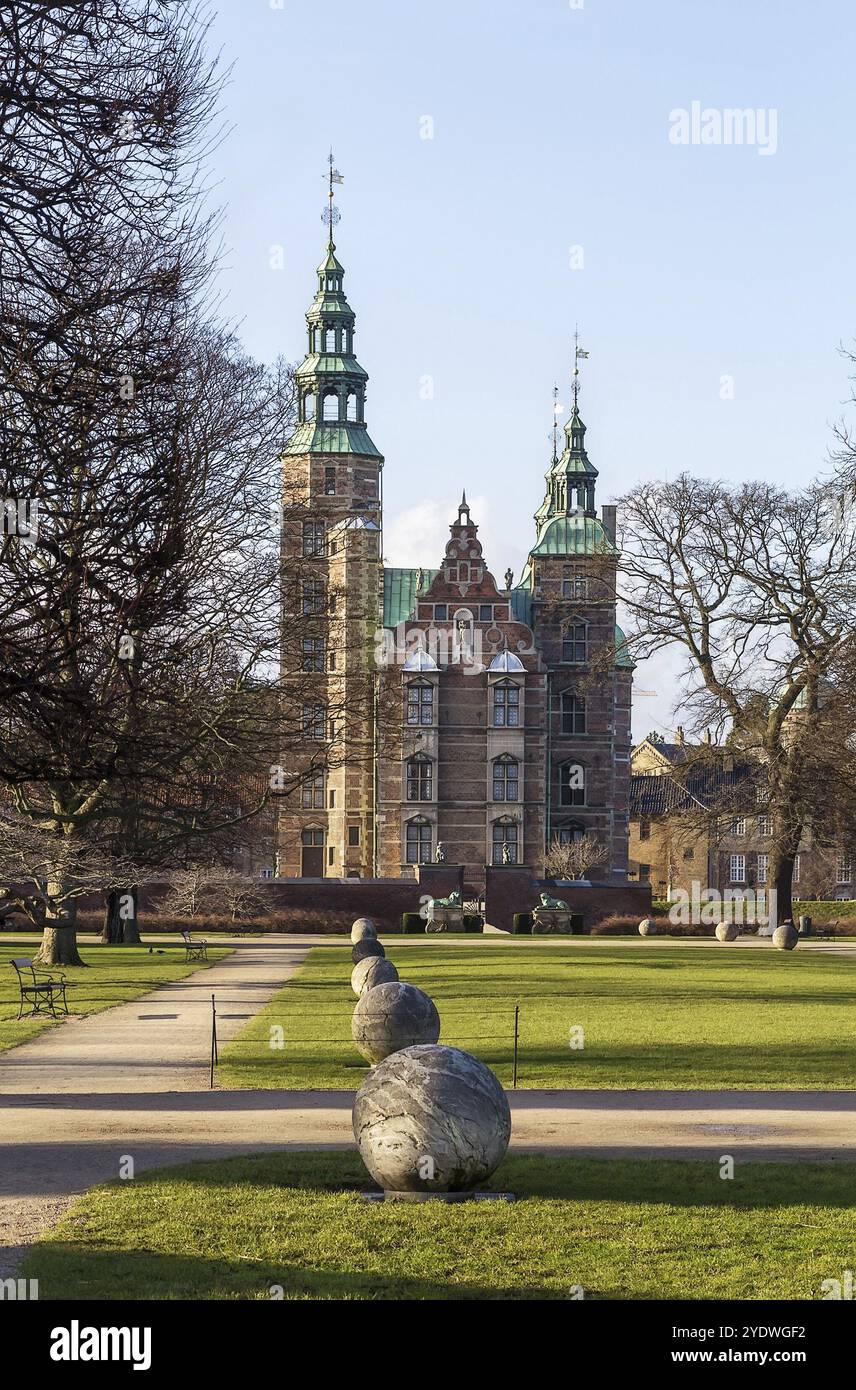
<point x="550" y="131"/>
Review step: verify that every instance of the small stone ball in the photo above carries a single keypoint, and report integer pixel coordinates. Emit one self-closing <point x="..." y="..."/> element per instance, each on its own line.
<point x="363" y="927"/>
<point x="647" y="927"/>
<point x="390" y="1017"/>
<point x="372" y="971"/>
<point x="727" y="931"/>
<point x="431" y="1119"/>
<point x="785" y="937"/>
<point x="368" y="946"/>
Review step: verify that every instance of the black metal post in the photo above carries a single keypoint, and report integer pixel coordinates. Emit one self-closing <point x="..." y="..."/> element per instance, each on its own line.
<point x="214" y="1057"/>
<point x="516" y="1040"/>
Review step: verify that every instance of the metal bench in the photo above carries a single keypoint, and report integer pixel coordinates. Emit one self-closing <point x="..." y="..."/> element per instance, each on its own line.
<point x="43" y="990"/>
<point x="194" y="950"/>
<point x="824" y="931"/>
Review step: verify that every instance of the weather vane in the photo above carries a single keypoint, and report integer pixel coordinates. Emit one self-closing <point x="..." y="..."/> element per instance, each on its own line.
<point x="331" y="214"/>
<point x="578" y="354"/>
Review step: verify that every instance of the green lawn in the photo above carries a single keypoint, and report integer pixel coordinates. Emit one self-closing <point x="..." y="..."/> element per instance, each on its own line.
<point x="112" y="975"/>
<point x="615" y="1228"/>
<point x="654" y="1015"/>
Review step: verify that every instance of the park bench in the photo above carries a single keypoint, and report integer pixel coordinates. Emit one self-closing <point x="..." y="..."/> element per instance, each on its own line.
<point x="194" y="949"/>
<point x="824" y="931"/>
<point x="43" y="989"/>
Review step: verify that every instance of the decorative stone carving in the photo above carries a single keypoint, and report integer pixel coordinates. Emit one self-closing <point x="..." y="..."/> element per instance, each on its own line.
<point x="368" y="946"/>
<point x="785" y="937"/>
<point x="445" y="914"/>
<point x="431" y="1119"/>
<point x="647" y="927"/>
<point x="548" y="921"/>
<point x="363" y="927"/>
<point x="547" y="901"/>
<point x="372" y="971"/>
<point x="727" y="931"/>
<point x="392" y="1016"/>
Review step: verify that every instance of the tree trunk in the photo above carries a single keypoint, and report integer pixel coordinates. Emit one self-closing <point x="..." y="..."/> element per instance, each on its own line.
<point x="121" y="927"/>
<point x="130" y="913"/>
<point x="59" y="938"/>
<point x="111" y="928"/>
<point x="783" y="878"/>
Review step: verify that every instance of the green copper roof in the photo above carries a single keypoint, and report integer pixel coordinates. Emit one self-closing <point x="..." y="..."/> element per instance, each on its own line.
<point x="622" y="653"/>
<point x="577" y="534"/>
<point x="326" y="363"/>
<point x="317" y="438"/>
<point x="521" y="605"/>
<point x="399" y="593"/>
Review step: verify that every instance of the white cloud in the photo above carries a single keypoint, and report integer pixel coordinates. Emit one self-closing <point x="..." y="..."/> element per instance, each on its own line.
<point x="418" y="535"/>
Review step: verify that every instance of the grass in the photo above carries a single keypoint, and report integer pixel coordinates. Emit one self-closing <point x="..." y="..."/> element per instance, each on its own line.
<point x="617" y="1229"/>
<point x="660" y="1015"/>
<point x="112" y="975"/>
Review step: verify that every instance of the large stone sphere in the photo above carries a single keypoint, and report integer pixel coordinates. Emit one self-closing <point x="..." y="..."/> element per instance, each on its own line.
<point x="368" y="946"/>
<point x="647" y="927"/>
<point x="786" y="937"/>
<point x="727" y="931"/>
<point x="390" y="1017"/>
<point x="363" y="927"/>
<point x="431" y="1119"/>
<point x="373" y="970"/>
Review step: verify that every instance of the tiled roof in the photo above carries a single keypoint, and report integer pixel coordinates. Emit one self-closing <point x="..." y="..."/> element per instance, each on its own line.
<point x="710" y="785"/>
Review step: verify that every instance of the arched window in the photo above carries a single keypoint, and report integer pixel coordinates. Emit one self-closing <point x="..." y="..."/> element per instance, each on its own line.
<point x="573" y="713"/>
<point x="506" y="778"/>
<point x="419" y="778"/>
<point x="575" y="643"/>
<point x="330" y="340"/>
<point x="506" y="705"/>
<point x="504" y="841"/>
<point x="331" y="406"/>
<point x="420" y="703"/>
<point x="417" y="841"/>
<point x="572" y="784"/>
<point x="352" y="405"/>
<point x="309" y="406"/>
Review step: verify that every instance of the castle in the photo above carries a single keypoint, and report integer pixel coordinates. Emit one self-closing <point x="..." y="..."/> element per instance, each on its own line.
<point x="473" y="723"/>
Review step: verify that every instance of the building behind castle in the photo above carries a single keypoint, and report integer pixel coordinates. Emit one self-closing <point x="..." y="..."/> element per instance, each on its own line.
<point x="473" y="722"/>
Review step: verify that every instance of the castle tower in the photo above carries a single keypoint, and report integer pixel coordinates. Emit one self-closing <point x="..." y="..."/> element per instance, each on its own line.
<point x="331" y="558"/>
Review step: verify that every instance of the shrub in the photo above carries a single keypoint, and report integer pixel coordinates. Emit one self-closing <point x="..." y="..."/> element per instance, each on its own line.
<point x="472" y="922"/>
<point x="412" y="922"/>
<point x="521" y="924"/>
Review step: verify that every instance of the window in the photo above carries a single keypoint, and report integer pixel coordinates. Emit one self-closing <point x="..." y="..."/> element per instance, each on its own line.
<point x="644" y="828"/>
<point x="332" y="663"/>
<point x="440" y="612"/>
<point x="417" y="841"/>
<point x="331" y="798"/>
<point x="506" y="705"/>
<point x="644" y="873"/>
<point x="464" y="571"/>
<point x="738" y="826"/>
<point x="573" y="713"/>
<point x="313" y="654"/>
<point x="504" y="842"/>
<point x="352" y="406"/>
<point x="765" y="825"/>
<point x="575" y="644"/>
<point x="572" y="784"/>
<point x="314" y="721"/>
<point x="313" y="595"/>
<point x="737" y="868"/>
<point x="312" y="838"/>
<point x="309" y="406"/>
<point x="569" y="834"/>
<point x="844" y="869"/>
<point x="419" y="778"/>
<point x="575" y="585"/>
<point x="796" y="876"/>
<point x="330" y="340"/>
<point x="420" y="703"/>
<point x="331" y="406"/>
<point x="313" y="538"/>
<point x="485" y="612"/>
<point x="689" y="854"/>
<point x="506" y="779"/>
<point x="331" y="854"/>
<point x="312" y="796"/>
<point x="761" y="867"/>
<point x="353" y="835"/>
<point x="330" y="482"/>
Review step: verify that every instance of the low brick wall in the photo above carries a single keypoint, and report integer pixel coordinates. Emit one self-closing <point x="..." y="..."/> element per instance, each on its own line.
<point x="512" y="888"/>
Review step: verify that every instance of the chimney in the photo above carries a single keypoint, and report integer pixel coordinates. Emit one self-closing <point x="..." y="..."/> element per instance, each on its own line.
<point x="679" y="736"/>
<point x="609" y="515"/>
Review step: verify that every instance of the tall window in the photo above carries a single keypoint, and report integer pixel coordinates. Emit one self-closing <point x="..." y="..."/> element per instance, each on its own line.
<point x="506" y="779"/>
<point x="312" y="658"/>
<point x="506" y="705"/>
<point x="572" y="784"/>
<point x="644" y="828"/>
<point x="330" y="481"/>
<point x="796" y="877"/>
<point x="309" y="406"/>
<point x="313" y="538"/>
<point x="573" y="713"/>
<point x="314" y="720"/>
<point x="420" y="703"/>
<point x="330" y="340"/>
<point x="761" y="868"/>
<point x="738" y="826"/>
<point x="419" y="778"/>
<point x="737" y="868"/>
<point x="504" y="842"/>
<point x="312" y="596"/>
<point x="352" y="405"/>
<point x="765" y="825"/>
<point x="844" y="869"/>
<point x="575" y="644"/>
<point x="312" y="793"/>
<point x="575" y="585"/>
<point x="331" y="407"/>
<point x="417" y="841"/>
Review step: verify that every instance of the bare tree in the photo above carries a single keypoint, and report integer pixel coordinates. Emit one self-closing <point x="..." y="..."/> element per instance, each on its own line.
<point x="574" y="858"/>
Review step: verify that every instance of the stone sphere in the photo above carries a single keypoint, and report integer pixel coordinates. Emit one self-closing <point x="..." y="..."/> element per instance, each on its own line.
<point x="371" y="971"/>
<point x="727" y="931"/>
<point x="647" y="927"/>
<point x="431" y="1119"/>
<point x="363" y="927"/>
<point x="785" y="937"/>
<point x="390" y="1017"/>
<point x="368" y="946"/>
